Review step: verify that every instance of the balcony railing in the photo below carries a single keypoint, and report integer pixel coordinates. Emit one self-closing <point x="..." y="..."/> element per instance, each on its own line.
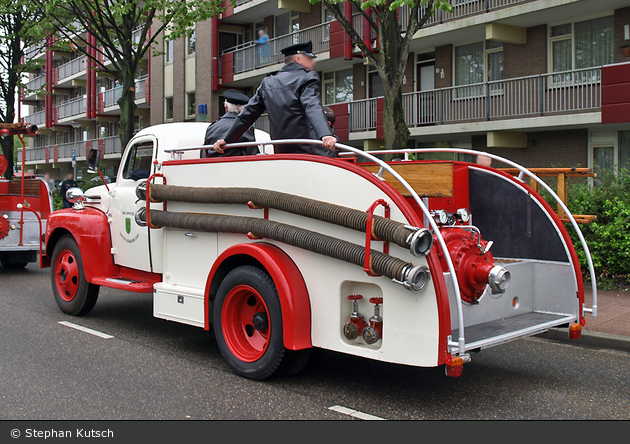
<point x="362" y="115"/>
<point x="111" y="145"/>
<point x="72" y="67"/>
<point x="32" y="51"/>
<point x="71" y="108"/>
<point x="35" y="84"/>
<point x="32" y="154"/>
<point x="262" y="123"/>
<point x="64" y="150"/>
<point x="111" y="96"/>
<point x="141" y="87"/>
<point x="545" y="94"/>
<point x="36" y="118"/>
<point x="250" y="56"/>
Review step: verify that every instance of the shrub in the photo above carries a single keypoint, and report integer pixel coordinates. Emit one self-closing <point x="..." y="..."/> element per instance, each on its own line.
<point x="607" y="237"/>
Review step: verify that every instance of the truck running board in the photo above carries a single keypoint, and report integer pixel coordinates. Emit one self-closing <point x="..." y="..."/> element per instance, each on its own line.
<point x="124" y="284"/>
<point x="504" y="330"/>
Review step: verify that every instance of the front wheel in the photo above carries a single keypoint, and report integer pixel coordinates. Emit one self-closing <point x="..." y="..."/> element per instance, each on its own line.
<point x="248" y="323"/>
<point x="73" y="294"/>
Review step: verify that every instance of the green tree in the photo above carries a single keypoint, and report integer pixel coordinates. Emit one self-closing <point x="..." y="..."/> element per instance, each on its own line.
<point x="394" y="41"/>
<point x="124" y="31"/>
<point x="17" y="31"/>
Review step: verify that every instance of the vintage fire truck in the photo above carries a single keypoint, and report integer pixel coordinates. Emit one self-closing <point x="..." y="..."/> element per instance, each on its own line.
<point x="408" y="262"/>
<point x="24" y="207"/>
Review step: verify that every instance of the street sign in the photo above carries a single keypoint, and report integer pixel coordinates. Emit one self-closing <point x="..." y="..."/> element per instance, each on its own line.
<point x="74" y="157"/>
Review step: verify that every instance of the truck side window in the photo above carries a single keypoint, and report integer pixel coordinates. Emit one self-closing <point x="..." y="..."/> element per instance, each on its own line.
<point x="138" y="165"/>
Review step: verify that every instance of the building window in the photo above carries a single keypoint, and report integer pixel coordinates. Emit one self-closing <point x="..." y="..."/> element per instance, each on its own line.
<point x="190" y="104"/>
<point x="585" y="44"/>
<point x="190" y="44"/>
<point x="168" y="108"/>
<point x="168" y="51"/>
<point x="611" y="152"/>
<point x="338" y="86"/>
<point x="477" y="63"/>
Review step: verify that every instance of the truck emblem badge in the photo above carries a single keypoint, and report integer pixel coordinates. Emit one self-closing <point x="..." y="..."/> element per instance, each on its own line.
<point x="128" y="225"/>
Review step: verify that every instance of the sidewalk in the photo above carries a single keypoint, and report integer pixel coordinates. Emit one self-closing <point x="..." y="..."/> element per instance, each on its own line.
<point x="611" y="329"/>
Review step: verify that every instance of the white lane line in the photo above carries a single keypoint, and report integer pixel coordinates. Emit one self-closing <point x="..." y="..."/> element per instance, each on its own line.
<point x="355" y="413"/>
<point x="86" y="330"/>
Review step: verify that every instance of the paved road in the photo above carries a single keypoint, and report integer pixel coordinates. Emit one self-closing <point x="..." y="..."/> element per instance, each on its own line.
<point x="154" y="369"/>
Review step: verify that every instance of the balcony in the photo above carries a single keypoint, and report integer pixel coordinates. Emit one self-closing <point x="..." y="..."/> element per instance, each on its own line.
<point x="64" y="150"/>
<point x="542" y="95"/>
<point x="71" y="108"/>
<point x="34" y="85"/>
<point x="33" y="155"/>
<point x="362" y="115"/>
<point x="250" y="56"/>
<point x="32" y="52"/>
<point x="71" y="68"/>
<point x="111" y="96"/>
<point x="111" y="145"/>
<point x="37" y="118"/>
<point x="141" y="87"/>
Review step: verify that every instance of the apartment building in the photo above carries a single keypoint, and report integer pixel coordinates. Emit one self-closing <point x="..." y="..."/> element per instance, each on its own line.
<point x="542" y="82"/>
<point x="75" y="108"/>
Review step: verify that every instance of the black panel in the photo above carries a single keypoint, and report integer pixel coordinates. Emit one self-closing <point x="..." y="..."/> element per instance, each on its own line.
<point x="516" y="224"/>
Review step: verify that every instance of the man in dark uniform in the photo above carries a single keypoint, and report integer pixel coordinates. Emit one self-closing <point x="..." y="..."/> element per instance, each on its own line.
<point x="68" y="183"/>
<point x="234" y="103"/>
<point x="291" y="98"/>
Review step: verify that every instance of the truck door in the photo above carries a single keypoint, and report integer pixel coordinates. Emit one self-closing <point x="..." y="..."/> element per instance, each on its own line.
<point x="131" y="241"/>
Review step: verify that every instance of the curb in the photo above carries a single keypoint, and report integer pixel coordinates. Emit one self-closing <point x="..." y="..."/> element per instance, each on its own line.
<point x="589" y="339"/>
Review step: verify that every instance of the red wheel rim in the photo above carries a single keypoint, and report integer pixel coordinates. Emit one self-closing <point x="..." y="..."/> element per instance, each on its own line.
<point x="245" y="341"/>
<point x="67" y="275"/>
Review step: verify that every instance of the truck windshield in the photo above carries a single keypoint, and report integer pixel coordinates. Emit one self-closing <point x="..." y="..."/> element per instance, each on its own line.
<point x="138" y="165"/>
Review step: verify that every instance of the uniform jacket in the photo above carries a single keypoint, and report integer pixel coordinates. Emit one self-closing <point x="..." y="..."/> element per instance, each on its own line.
<point x="291" y="98"/>
<point x="218" y="130"/>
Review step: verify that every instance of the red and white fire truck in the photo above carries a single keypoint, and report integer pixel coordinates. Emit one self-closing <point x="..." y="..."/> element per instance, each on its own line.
<point x="409" y="262"/>
<point x="24" y="207"/>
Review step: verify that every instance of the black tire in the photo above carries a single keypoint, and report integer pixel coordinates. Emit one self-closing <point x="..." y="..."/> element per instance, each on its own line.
<point x="295" y="361"/>
<point x="84" y="295"/>
<point x="269" y="361"/>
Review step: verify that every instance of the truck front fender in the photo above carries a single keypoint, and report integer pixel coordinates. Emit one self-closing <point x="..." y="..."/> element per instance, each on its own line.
<point x="90" y="229"/>
<point x="292" y="291"/>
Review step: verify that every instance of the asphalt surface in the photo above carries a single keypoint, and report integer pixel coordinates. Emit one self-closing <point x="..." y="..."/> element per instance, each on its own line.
<point x="154" y="369"/>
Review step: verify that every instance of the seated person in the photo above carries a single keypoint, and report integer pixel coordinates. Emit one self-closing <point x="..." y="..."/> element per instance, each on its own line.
<point x="234" y="103"/>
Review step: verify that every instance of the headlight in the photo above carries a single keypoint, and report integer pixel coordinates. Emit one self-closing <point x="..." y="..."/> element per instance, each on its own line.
<point x="74" y="195"/>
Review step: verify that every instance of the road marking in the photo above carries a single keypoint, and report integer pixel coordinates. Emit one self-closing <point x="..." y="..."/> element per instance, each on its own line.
<point x="86" y="330"/>
<point x="355" y="413"/>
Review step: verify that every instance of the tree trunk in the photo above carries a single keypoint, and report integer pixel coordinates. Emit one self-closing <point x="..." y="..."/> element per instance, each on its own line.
<point x="127" y="104"/>
<point x="7" y="150"/>
<point x="394" y="125"/>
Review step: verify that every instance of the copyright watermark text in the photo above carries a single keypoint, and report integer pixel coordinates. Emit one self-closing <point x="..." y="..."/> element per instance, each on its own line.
<point x="76" y="433"/>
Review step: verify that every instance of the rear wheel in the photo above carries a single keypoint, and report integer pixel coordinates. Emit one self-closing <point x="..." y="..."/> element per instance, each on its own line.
<point x="248" y="323"/>
<point x="73" y="294"/>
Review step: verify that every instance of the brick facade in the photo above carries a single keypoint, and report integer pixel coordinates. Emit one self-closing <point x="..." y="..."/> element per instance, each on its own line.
<point x="444" y="62"/>
<point x="308" y="19"/>
<point x="203" y="66"/>
<point x="528" y="59"/>
<point x="179" y="79"/>
<point x="358" y="83"/>
<point x="622" y="17"/>
<point x="567" y="148"/>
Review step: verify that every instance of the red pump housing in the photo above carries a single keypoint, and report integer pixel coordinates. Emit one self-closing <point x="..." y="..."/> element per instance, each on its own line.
<point x="473" y="264"/>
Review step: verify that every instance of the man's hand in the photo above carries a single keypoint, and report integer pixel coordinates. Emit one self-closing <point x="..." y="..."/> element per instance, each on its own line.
<point x="329" y="142"/>
<point x="218" y="146"/>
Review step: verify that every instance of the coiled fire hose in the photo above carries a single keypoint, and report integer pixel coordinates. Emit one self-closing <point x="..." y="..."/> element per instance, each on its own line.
<point x="412" y="278"/>
<point x="418" y="241"/>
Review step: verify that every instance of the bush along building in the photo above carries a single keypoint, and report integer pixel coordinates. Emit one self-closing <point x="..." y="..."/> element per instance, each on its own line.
<point x="542" y="82"/>
<point x="75" y="107"/>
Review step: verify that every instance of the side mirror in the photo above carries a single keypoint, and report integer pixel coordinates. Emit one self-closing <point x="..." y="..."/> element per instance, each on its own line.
<point x="93" y="158"/>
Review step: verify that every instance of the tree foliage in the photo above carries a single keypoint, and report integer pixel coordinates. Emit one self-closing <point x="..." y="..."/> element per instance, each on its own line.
<point x="124" y="31"/>
<point x="18" y="30"/>
<point x="394" y="42"/>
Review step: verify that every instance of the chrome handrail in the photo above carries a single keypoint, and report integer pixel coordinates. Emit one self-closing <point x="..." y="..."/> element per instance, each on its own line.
<point x="541" y="182"/>
<point x="461" y="342"/>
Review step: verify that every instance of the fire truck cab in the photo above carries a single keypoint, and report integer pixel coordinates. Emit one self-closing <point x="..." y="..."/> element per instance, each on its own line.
<point x="411" y="262"/>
